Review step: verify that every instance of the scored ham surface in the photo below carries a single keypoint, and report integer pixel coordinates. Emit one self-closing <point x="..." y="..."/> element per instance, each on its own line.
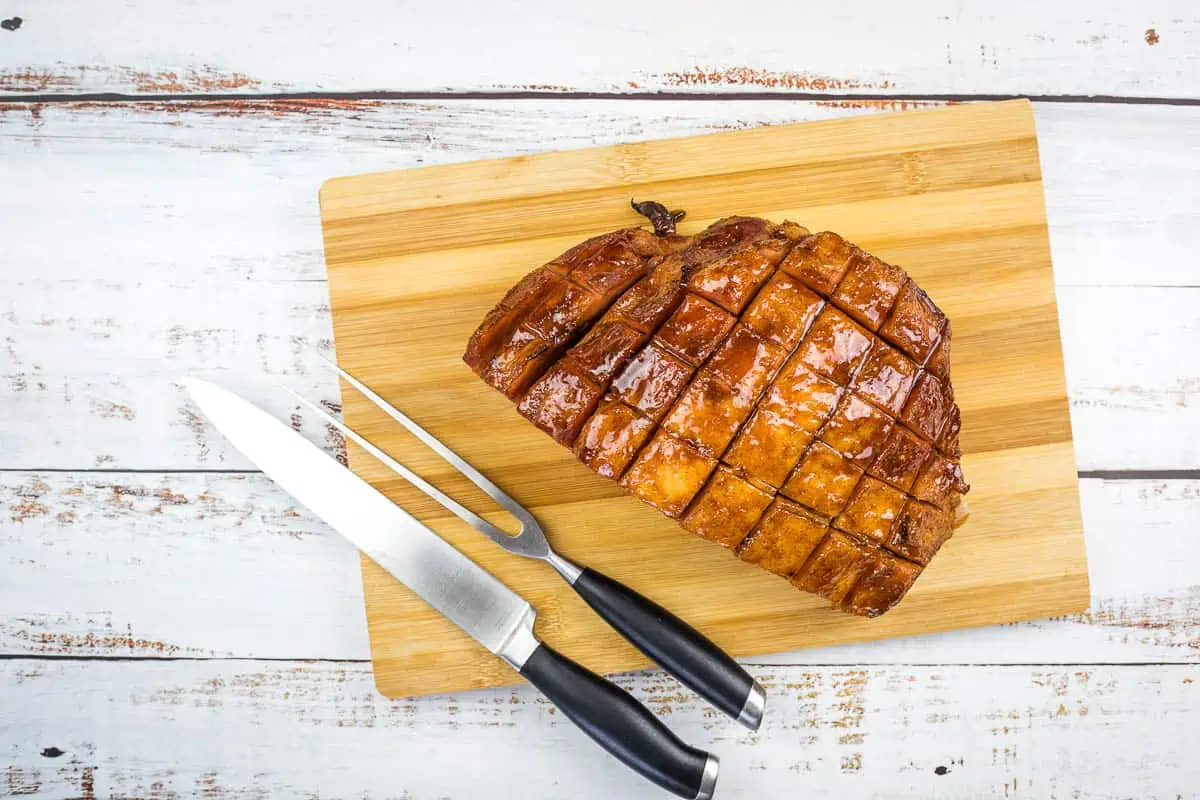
<point x="781" y="393"/>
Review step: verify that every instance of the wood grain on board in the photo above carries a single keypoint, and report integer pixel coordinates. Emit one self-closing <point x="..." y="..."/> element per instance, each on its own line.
<point x="415" y="258"/>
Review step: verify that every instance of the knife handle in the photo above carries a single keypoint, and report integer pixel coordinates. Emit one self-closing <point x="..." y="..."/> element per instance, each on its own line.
<point x="621" y="725"/>
<point x="676" y="646"/>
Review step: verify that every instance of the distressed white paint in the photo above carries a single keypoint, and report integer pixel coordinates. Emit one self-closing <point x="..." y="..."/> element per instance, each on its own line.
<point x="237" y="570"/>
<point x="302" y="730"/>
<point x="933" y="46"/>
<point x="91" y="369"/>
<point x="234" y="568"/>
<point x="1132" y="375"/>
<point x="228" y="190"/>
<point x="194" y="246"/>
<point x="151" y="239"/>
<point x="1122" y="190"/>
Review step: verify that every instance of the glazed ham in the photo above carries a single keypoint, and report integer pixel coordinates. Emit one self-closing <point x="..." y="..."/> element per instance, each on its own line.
<point x="781" y="393"/>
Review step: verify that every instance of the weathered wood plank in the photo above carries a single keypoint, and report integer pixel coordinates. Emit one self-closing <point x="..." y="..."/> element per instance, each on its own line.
<point x="169" y="269"/>
<point x="1117" y="343"/>
<point x="233" y="565"/>
<point x="303" y="730"/>
<point x="935" y="46"/>
<point x="235" y="569"/>
<point x="228" y="189"/>
<point x="91" y="369"/>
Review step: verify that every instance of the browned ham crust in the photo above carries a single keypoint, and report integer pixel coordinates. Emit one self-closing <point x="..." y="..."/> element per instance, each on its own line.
<point x="781" y="393"/>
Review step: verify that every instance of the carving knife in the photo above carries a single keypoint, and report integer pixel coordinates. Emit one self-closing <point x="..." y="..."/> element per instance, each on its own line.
<point x="665" y="638"/>
<point x="459" y="589"/>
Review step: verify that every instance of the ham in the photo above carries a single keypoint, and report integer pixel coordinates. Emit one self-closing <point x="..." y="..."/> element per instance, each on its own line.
<point x="783" y="394"/>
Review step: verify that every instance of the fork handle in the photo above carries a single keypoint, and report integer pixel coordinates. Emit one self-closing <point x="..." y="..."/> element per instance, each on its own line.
<point x="675" y="646"/>
<point x="621" y="725"/>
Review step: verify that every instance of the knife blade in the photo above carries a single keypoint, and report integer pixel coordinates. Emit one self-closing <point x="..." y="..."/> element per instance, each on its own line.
<point x="455" y="586"/>
<point x="459" y="589"/>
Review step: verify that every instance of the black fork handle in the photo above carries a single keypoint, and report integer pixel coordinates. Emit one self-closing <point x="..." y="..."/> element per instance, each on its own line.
<point x="675" y="646"/>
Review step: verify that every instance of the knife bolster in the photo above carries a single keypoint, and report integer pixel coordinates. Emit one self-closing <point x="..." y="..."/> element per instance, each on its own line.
<point x="521" y="641"/>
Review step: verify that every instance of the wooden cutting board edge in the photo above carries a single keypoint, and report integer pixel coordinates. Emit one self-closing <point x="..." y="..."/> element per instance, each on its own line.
<point x="1072" y="592"/>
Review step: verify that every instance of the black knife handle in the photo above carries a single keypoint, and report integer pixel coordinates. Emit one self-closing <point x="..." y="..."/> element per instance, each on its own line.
<point x="675" y="646"/>
<point x="622" y="725"/>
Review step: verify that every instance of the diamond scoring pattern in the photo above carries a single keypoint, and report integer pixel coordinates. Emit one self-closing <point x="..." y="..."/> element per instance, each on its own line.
<point x="786" y="395"/>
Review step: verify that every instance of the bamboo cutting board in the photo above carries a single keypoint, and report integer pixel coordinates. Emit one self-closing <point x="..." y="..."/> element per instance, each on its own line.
<point x="417" y="257"/>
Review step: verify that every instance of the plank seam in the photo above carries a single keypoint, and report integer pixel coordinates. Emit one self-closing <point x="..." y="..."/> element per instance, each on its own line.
<point x="751" y="665"/>
<point x="1140" y="474"/>
<point x="1089" y="474"/>
<point x="131" y="471"/>
<point x="119" y="97"/>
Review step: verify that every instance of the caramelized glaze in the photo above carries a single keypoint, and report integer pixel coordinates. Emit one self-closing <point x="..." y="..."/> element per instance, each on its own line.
<point x="782" y="394"/>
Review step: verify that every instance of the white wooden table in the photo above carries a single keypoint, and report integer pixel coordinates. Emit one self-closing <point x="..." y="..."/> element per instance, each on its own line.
<point x="171" y="625"/>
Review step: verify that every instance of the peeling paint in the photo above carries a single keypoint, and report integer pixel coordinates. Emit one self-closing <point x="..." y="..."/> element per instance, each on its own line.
<point x="87" y="784"/>
<point x="76" y="502"/>
<point x="20" y="782"/>
<point x="192" y="80"/>
<point x="199" y="430"/>
<point x="110" y="410"/>
<point x="202" y="339"/>
<point x="250" y="108"/>
<point x="27" y="501"/>
<point x="173" y="498"/>
<point x="43" y="642"/>
<point x="1160" y="621"/>
<point x="849" y="688"/>
<point x="207" y="786"/>
<point x="34" y="80"/>
<point x="752" y="77"/>
<point x="870" y="104"/>
<point x="1181" y="393"/>
<point x="300" y="349"/>
<point x="337" y="443"/>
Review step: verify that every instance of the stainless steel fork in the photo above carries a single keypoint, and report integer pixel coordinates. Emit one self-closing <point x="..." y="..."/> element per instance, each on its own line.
<point x="667" y="640"/>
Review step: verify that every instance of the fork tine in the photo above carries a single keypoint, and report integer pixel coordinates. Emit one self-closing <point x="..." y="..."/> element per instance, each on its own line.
<point x="452" y="505"/>
<point x="458" y="462"/>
